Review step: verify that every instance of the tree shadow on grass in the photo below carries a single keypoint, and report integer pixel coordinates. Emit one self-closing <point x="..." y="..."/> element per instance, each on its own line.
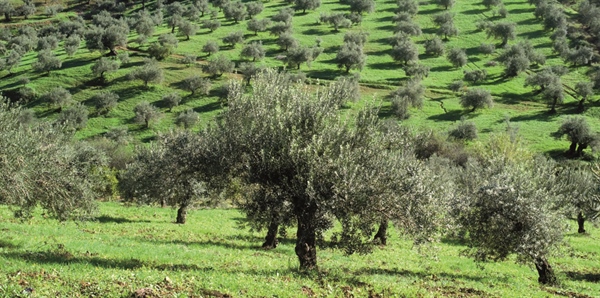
<point x="218" y="242"/>
<point x="539" y="116"/>
<point x="431" y="11"/>
<point x="442" y="68"/>
<point x="531" y="34"/>
<point x="451" y="116"/>
<point x="119" y="220"/>
<point x="408" y="273"/>
<point x="61" y="256"/>
<point x="8" y="245"/>
<point x="521" y="10"/>
<point x="209" y="107"/>
<point x="314" y="31"/>
<point x="474" y="11"/>
<point x="386" y="66"/>
<point x="584" y="276"/>
<point x="531" y="21"/>
<point x="256" y="239"/>
<point x="76" y="62"/>
<point x="327" y="74"/>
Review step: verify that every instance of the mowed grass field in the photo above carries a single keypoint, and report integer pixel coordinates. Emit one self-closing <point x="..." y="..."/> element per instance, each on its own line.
<point x="380" y="75"/>
<point x="127" y="249"/>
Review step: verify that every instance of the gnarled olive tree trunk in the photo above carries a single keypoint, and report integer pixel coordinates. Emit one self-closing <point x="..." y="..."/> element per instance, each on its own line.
<point x="545" y="271"/>
<point x="271" y="238"/>
<point x="306" y="238"/>
<point x="382" y="232"/>
<point x="182" y="213"/>
<point x="580" y="222"/>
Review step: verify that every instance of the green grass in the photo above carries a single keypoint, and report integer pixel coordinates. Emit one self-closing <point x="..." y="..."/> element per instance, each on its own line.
<point x="512" y="99"/>
<point x="130" y="248"/>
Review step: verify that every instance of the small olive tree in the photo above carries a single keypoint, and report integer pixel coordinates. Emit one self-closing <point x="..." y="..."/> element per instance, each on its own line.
<point x="146" y="113"/>
<point x="63" y="177"/>
<point x="510" y="207"/>
<point x="162" y="173"/>
<point x="579" y="133"/>
<point x="476" y="98"/>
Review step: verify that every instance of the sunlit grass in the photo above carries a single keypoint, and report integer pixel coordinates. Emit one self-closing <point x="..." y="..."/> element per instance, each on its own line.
<point x="129" y="248"/>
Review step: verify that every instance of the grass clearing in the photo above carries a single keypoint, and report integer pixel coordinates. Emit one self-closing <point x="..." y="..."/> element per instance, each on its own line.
<point x="131" y="248"/>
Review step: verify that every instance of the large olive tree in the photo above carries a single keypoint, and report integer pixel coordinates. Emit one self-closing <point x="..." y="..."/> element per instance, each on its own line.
<point x="303" y="163"/>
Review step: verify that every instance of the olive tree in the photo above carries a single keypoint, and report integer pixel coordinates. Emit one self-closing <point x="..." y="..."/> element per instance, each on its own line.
<point x="107" y="35"/>
<point x="509" y="207"/>
<point x="72" y="45"/>
<point x="234" y="38"/>
<point x="105" y="101"/>
<point x="46" y="62"/>
<point x="445" y="3"/>
<point x="581" y="197"/>
<point x="434" y="46"/>
<point x="476" y="98"/>
<point x="351" y="56"/>
<point x="147" y="73"/>
<point x="59" y="97"/>
<point x="187" y="29"/>
<point x="7" y="9"/>
<point x="74" y="117"/>
<point x="405" y="52"/>
<point x="212" y="24"/>
<point x="253" y="50"/>
<point x="162" y="173"/>
<point x="305" y="5"/>
<point x="256" y="25"/>
<point x="311" y="167"/>
<point x="406" y="96"/>
<point x="457" y="57"/>
<point x="63" y="177"/>
<point x="145" y="113"/>
<point x="210" y="47"/>
<point x="195" y="83"/>
<point x="465" y="130"/>
<point x="104" y="65"/>
<point x="187" y="118"/>
<point x="503" y="31"/>
<point x="579" y="133"/>
<point x="219" y="65"/>
<point x="586" y="91"/>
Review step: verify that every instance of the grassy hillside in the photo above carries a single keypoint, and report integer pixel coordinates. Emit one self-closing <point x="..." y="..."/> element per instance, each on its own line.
<point x="381" y="74"/>
<point x="131" y="248"/>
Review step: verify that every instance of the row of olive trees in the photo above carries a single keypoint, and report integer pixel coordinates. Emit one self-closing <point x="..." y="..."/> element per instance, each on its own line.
<point x="302" y="164"/>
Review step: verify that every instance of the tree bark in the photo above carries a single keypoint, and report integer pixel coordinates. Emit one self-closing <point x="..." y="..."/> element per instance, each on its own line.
<point x="382" y="232"/>
<point x="580" y="149"/>
<point x="580" y="223"/>
<point x="182" y="214"/>
<point x="572" y="148"/>
<point x="306" y="249"/>
<point x="580" y="108"/>
<point x="271" y="238"/>
<point x="553" y="109"/>
<point x="545" y="271"/>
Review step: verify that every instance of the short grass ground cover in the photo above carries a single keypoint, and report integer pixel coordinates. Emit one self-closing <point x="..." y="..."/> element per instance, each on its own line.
<point x="525" y="108"/>
<point x="128" y="249"/>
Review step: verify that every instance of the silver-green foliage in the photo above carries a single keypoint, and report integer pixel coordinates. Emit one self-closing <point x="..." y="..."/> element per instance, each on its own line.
<point x="510" y="206"/>
<point x="308" y="165"/>
<point x="42" y="166"/>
